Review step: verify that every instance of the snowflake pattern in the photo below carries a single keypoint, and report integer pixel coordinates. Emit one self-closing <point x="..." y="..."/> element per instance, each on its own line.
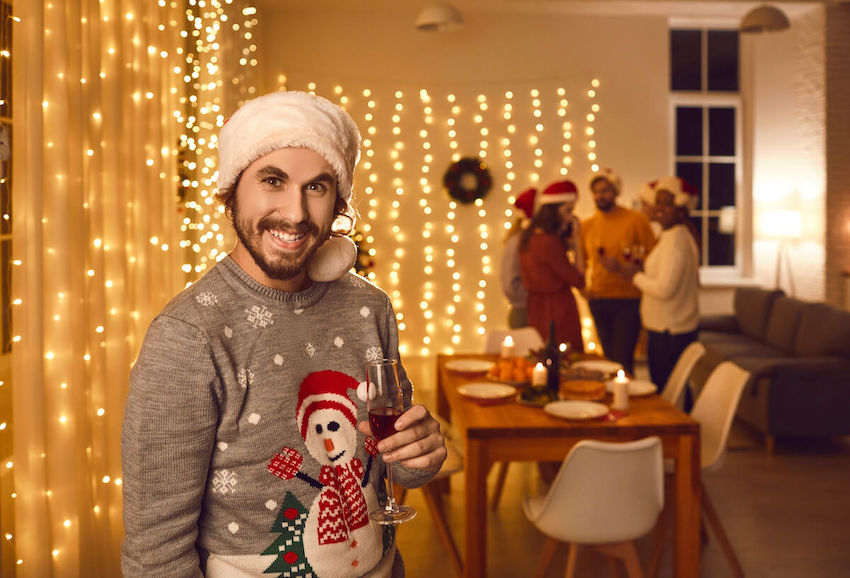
<point x="233" y="527"/>
<point x="339" y="342"/>
<point x="357" y="280"/>
<point x="245" y="377"/>
<point x="364" y="312"/>
<point x="259" y="316"/>
<point x="374" y="354"/>
<point x="278" y="359"/>
<point x="224" y="482"/>
<point x="310" y="349"/>
<point x="206" y="299"/>
<point x="222" y="445"/>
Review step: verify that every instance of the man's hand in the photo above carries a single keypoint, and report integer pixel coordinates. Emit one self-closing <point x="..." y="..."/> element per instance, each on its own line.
<point x="418" y="442"/>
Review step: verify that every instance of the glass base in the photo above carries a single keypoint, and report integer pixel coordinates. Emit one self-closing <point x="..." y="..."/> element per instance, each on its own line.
<point x="387" y="517"/>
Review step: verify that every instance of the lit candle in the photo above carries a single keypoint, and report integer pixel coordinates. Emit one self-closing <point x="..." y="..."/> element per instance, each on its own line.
<point x="508" y="347"/>
<point x="538" y="375"/>
<point x="621" y="391"/>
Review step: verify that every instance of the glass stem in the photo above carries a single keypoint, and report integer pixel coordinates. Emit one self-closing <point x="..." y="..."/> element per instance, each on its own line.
<point x="391" y="506"/>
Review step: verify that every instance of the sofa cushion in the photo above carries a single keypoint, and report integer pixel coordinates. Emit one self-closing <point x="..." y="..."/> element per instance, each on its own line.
<point x="783" y="322"/>
<point x="752" y="307"/>
<point x="823" y="330"/>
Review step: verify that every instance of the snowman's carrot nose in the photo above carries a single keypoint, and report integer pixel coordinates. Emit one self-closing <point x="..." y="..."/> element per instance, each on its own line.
<point x="329" y="445"/>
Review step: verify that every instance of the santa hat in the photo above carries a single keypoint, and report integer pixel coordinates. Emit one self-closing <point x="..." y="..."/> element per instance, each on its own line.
<point x="325" y="390"/>
<point x="610" y="176"/>
<point x="525" y="202"/>
<point x="558" y="192"/>
<point x="684" y="194"/>
<point x="298" y="120"/>
<point x="647" y="192"/>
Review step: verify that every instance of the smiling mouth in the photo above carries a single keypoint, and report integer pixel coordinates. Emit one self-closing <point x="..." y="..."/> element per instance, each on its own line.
<point x="336" y="457"/>
<point x="286" y="237"/>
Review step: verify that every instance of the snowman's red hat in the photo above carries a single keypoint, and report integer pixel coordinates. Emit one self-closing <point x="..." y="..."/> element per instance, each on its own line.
<point x="325" y="390"/>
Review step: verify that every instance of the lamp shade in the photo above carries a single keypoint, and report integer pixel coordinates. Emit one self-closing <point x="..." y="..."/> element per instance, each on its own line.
<point x="764" y="18"/>
<point x="439" y="17"/>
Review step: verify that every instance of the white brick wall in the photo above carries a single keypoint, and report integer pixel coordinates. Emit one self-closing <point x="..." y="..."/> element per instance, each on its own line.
<point x="837" y="152"/>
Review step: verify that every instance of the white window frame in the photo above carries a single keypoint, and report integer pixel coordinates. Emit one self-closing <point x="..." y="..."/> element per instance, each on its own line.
<point x="742" y="270"/>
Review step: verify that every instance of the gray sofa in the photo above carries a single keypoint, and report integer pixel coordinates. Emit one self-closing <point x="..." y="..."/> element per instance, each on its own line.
<point x="799" y="356"/>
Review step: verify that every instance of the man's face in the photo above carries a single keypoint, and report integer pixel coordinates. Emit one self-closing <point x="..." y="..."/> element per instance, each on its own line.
<point x="282" y="212"/>
<point x="604" y="195"/>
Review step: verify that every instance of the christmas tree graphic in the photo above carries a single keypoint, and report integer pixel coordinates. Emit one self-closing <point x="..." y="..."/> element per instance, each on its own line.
<point x="289" y="546"/>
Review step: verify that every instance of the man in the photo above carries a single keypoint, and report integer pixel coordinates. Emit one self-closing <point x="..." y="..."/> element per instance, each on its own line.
<point x="611" y="236"/>
<point x="240" y="448"/>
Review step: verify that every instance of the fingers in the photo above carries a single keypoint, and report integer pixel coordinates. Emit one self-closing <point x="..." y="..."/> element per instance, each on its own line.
<point x="418" y="443"/>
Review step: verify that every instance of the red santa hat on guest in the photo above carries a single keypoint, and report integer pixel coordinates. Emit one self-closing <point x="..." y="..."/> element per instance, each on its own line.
<point x="684" y="194"/>
<point x="525" y="202"/>
<point x="647" y="192"/>
<point x="610" y="176"/>
<point x="558" y="192"/>
<point x="325" y="390"/>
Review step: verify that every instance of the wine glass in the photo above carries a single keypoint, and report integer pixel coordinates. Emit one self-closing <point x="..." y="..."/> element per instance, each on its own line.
<point x="385" y="405"/>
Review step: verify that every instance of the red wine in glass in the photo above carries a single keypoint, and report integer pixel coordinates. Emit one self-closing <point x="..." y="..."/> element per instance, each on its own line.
<point x="382" y="421"/>
<point x="627" y="253"/>
<point x="385" y="403"/>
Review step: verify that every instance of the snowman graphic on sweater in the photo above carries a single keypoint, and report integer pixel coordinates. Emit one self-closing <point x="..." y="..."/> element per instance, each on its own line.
<point x="338" y="539"/>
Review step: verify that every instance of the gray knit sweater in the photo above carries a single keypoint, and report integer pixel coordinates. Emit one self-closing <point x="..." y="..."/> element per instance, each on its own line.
<point x="239" y="448"/>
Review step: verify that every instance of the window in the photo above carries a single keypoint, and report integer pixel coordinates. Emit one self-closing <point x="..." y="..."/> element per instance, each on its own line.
<point x="706" y="109"/>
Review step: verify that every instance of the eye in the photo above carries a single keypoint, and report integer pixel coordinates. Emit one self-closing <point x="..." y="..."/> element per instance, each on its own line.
<point x="333" y="426"/>
<point x="319" y="429"/>
<point x="273" y="181"/>
<point x="317" y="187"/>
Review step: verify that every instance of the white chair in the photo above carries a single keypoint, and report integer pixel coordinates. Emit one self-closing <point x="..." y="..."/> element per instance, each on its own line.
<point x="526" y="340"/>
<point x="606" y="495"/>
<point x="714" y="409"/>
<point x="675" y="386"/>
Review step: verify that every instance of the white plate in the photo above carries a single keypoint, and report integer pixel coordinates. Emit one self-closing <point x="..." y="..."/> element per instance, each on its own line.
<point x="603" y="365"/>
<point x="487" y="391"/>
<point x="469" y="365"/>
<point x="576" y="410"/>
<point x="637" y="387"/>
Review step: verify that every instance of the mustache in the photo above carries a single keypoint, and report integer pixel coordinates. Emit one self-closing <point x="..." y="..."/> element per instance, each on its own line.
<point x="274" y="222"/>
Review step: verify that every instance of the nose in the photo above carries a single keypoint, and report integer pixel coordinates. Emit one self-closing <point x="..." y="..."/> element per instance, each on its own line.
<point x="329" y="445"/>
<point x="290" y="205"/>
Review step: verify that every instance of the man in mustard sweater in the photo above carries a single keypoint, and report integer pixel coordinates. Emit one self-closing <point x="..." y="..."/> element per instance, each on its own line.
<point x="614" y="235"/>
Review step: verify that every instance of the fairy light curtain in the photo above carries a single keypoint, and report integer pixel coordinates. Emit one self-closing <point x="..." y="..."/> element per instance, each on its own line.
<point x="95" y="228"/>
<point x="439" y="259"/>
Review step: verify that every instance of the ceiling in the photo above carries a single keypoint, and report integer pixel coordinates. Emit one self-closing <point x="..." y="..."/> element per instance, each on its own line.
<point x="668" y="8"/>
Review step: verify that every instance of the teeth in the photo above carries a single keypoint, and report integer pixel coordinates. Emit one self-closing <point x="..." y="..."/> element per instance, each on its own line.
<point x="289" y="238"/>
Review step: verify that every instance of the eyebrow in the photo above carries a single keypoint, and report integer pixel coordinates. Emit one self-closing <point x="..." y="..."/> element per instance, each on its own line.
<point x="273" y="171"/>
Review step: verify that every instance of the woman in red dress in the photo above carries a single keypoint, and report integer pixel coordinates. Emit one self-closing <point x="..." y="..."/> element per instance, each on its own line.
<point x="547" y="272"/>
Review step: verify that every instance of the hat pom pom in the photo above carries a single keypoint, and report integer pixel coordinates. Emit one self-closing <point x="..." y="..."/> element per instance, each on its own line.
<point x="336" y="256"/>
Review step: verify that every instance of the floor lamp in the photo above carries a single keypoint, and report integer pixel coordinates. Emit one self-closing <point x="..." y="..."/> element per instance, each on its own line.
<point x="785" y="226"/>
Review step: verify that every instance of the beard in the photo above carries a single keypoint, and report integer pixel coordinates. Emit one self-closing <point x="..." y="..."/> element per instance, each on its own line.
<point x="605" y="204"/>
<point x="286" y="264"/>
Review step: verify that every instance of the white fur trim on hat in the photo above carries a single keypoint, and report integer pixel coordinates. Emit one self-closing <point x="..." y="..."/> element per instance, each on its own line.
<point x="336" y="256"/>
<point x="683" y="194"/>
<point x="289" y="119"/>
<point x="609" y="175"/>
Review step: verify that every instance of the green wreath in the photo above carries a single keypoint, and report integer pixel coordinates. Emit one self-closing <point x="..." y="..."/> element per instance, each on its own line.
<point x="468" y="179"/>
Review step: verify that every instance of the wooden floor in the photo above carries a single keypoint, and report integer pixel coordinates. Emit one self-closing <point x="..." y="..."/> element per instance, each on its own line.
<point x="787" y="514"/>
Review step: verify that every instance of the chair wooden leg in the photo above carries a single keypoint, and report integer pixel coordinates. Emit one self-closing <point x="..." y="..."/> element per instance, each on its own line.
<point x="659" y="541"/>
<point x="434" y="502"/>
<point x="630" y="558"/>
<point x="500" y="485"/>
<point x="571" y="561"/>
<point x="769" y="443"/>
<point x="626" y="552"/>
<point x="546" y="555"/>
<point x="722" y="538"/>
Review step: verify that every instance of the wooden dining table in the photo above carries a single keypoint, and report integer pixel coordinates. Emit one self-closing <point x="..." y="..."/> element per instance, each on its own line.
<point x="510" y="431"/>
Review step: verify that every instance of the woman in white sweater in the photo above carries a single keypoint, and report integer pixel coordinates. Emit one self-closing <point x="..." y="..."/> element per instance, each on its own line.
<point x="669" y="280"/>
